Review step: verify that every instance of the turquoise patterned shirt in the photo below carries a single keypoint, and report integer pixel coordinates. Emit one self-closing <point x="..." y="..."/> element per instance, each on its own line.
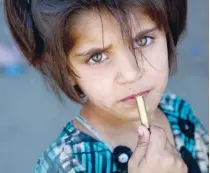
<point x="77" y="152"/>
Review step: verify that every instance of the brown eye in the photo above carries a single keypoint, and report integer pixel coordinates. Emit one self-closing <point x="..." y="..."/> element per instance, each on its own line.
<point x="97" y="58"/>
<point x="141" y="42"/>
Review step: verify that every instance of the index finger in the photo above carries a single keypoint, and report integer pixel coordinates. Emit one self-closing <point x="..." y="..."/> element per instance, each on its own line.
<point x="157" y="141"/>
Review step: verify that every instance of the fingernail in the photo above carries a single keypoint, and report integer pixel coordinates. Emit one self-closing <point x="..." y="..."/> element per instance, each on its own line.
<point x="140" y="131"/>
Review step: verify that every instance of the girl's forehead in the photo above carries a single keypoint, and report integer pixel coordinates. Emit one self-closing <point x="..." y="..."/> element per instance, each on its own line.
<point x="90" y="25"/>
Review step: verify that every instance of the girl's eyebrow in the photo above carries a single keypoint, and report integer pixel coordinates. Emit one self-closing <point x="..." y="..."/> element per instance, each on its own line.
<point x="93" y="51"/>
<point x="144" y="32"/>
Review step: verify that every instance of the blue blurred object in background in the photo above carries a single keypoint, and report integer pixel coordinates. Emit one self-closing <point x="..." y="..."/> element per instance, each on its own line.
<point x="12" y="70"/>
<point x="12" y="63"/>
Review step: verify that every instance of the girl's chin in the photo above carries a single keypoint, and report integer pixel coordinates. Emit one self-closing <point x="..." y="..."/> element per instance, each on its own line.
<point x="133" y="115"/>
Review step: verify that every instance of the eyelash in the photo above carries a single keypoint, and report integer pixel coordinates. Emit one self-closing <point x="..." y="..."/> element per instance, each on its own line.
<point x="135" y="47"/>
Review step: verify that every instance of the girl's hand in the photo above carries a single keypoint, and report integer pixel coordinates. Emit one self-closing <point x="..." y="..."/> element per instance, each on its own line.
<point x="154" y="153"/>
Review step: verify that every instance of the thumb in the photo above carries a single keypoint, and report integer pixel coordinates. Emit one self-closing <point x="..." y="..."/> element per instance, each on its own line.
<point x="142" y="144"/>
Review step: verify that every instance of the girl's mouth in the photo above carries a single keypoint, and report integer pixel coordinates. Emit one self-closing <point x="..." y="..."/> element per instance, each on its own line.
<point x="132" y="98"/>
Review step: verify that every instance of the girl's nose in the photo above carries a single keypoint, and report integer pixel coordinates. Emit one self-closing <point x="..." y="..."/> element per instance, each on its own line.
<point x="130" y="69"/>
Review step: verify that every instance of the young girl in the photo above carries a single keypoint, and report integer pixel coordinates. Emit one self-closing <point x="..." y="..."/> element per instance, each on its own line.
<point x="102" y="54"/>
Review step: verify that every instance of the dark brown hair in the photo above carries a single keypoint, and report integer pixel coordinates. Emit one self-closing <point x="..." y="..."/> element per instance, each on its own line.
<point x="41" y="30"/>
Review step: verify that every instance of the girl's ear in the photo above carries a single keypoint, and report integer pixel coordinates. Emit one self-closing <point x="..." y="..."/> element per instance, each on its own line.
<point x="76" y="86"/>
<point x="23" y="29"/>
<point x="73" y="80"/>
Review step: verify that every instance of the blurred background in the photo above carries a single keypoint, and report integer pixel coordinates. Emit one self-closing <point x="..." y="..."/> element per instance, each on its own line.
<point x="31" y="116"/>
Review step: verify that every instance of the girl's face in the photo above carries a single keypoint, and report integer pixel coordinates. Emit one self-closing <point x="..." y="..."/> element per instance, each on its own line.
<point x="108" y="69"/>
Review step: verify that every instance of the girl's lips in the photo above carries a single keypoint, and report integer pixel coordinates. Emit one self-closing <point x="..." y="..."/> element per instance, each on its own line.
<point x="132" y="98"/>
